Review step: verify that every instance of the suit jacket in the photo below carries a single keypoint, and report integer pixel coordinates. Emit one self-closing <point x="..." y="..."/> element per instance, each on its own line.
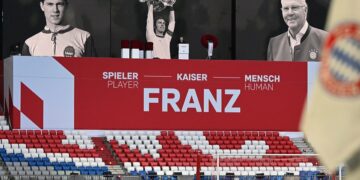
<point x="279" y="48"/>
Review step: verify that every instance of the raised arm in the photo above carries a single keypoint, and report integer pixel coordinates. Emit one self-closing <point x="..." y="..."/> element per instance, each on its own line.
<point x="150" y="23"/>
<point x="171" y="26"/>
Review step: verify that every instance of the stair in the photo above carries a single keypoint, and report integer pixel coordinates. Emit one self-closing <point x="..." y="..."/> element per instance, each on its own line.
<point x="303" y="146"/>
<point x="104" y="152"/>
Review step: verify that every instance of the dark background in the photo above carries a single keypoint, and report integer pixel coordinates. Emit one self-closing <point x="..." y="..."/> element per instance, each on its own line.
<point x="243" y="27"/>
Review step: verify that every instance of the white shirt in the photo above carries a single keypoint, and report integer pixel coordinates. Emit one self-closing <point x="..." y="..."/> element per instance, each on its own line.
<point x="297" y="40"/>
<point x="161" y="44"/>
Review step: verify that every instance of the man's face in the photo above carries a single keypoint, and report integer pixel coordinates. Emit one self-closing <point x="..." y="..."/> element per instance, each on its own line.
<point x="54" y="11"/>
<point x="294" y="13"/>
<point x="160" y="25"/>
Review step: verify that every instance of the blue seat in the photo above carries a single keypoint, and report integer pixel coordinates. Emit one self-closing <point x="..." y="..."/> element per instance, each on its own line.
<point x="14" y="159"/>
<point x="32" y="163"/>
<point x="84" y="172"/>
<point x="58" y="168"/>
<point x="105" y="169"/>
<point x="6" y="159"/>
<point x="39" y="163"/>
<point x="134" y="173"/>
<point x="92" y="172"/>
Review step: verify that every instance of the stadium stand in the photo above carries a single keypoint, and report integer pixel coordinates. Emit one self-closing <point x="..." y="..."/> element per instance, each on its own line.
<point x="152" y="154"/>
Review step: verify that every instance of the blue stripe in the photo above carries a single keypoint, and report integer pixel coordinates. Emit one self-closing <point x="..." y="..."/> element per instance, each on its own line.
<point x="346" y="59"/>
<point x="354" y="42"/>
<point x="338" y="76"/>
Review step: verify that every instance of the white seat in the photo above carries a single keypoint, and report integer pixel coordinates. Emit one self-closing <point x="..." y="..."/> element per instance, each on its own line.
<point x="143" y="137"/>
<point x="262" y="168"/>
<point x="136" y="164"/>
<point x="157" y="168"/>
<point x="160" y="173"/>
<point x="251" y="147"/>
<point x="72" y="141"/>
<point x="42" y="155"/>
<point x="156" y="155"/>
<point x="17" y="150"/>
<point x="127" y="137"/>
<point x="79" y="141"/>
<point x="262" y="142"/>
<point x="51" y="159"/>
<point x="302" y="164"/>
<point x="144" y="151"/>
<point x="148" y="168"/>
<point x="100" y="164"/>
<point x="248" y="169"/>
<point x="205" y="151"/>
<point x="248" y="142"/>
<point x="185" y="173"/>
<point x="121" y="141"/>
<point x="165" y="168"/>
<point x="169" y="173"/>
<point x="174" y="168"/>
<point x="241" y="168"/>
<point x="132" y="147"/>
<point x="86" y="164"/>
<point x="309" y="164"/>
<point x="68" y="159"/>
<point x="118" y="137"/>
<point x="60" y="159"/>
<point x="292" y="169"/>
<point x="127" y="164"/>
<point x="139" y="142"/>
<point x="244" y="173"/>
<point x="77" y="137"/>
<point x="34" y="155"/>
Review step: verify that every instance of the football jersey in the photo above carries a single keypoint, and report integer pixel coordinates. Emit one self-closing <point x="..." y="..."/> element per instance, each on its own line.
<point x="68" y="42"/>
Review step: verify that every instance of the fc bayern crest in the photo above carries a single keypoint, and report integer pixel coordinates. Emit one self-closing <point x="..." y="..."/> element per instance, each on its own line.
<point x="340" y="69"/>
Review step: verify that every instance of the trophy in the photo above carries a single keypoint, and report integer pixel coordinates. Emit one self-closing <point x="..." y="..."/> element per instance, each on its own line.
<point x="159" y="5"/>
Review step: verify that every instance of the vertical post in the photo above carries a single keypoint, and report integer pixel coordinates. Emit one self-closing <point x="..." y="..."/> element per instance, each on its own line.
<point x="217" y="166"/>
<point x="198" y="159"/>
<point x="340" y="173"/>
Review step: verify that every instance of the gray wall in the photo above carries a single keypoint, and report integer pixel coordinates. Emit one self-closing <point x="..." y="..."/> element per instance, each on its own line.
<point x="242" y="26"/>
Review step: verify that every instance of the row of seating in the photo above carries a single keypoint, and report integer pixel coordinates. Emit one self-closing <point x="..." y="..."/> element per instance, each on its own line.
<point x="148" y="149"/>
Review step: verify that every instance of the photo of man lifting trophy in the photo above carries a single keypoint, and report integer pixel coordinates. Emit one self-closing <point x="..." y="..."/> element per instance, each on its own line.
<point x="159" y="31"/>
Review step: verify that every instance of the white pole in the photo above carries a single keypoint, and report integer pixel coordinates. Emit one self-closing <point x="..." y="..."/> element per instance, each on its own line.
<point x="217" y="167"/>
<point x="340" y="173"/>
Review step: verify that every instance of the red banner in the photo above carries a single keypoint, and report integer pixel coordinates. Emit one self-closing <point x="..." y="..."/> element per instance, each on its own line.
<point x="187" y="95"/>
